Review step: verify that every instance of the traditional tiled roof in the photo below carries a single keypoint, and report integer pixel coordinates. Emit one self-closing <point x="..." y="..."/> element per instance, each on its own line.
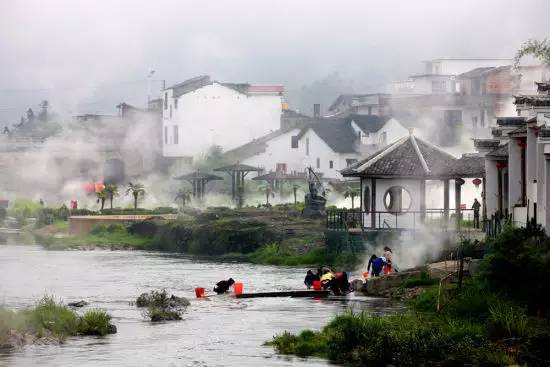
<point x="486" y="143"/>
<point x="500" y="153"/>
<point x="408" y="157"/>
<point x="337" y="134"/>
<point x="190" y="85"/>
<point x="519" y="132"/>
<point x="293" y="114"/>
<point x="256" y="146"/>
<point x="534" y="100"/>
<point x="369" y="123"/>
<point x="475" y="73"/>
<point x="468" y="166"/>
<point x="345" y="99"/>
<point x="511" y="121"/>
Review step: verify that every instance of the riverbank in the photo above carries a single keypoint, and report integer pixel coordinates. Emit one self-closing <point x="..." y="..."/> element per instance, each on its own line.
<point x="49" y="322"/>
<point x="276" y="237"/>
<point x="496" y="318"/>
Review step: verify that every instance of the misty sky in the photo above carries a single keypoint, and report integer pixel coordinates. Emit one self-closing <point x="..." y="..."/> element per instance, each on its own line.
<point x="88" y="56"/>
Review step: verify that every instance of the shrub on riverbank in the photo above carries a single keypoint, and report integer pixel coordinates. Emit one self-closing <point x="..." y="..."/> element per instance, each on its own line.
<point x="50" y="319"/>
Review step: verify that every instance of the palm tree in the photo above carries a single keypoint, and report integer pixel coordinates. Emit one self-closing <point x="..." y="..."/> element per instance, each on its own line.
<point x="184" y="195"/>
<point x="135" y="189"/>
<point x="267" y="190"/>
<point x="351" y="192"/>
<point x="111" y="190"/>
<point x="101" y="197"/>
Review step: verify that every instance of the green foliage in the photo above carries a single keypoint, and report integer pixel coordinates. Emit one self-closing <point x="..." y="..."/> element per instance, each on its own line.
<point x="95" y="322"/>
<point x="55" y="317"/>
<point x="518" y="266"/>
<point x="538" y="49"/>
<point x="506" y="320"/>
<point x="423" y="279"/>
<point x="135" y="189"/>
<point x="111" y="191"/>
<point x="24" y="208"/>
<point x="160" y="307"/>
<point x="405" y="340"/>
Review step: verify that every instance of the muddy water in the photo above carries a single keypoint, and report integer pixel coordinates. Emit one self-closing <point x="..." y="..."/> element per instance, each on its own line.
<point x="220" y="331"/>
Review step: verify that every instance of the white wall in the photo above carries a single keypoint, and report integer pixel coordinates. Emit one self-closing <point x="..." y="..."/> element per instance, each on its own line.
<point x="215" y="114"/>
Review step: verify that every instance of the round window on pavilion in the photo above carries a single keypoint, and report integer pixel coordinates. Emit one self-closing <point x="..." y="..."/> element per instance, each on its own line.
<point x="397" y="199"/>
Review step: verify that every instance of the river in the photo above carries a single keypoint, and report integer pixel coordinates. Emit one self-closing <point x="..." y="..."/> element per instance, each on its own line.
<point x="221" y="331"/>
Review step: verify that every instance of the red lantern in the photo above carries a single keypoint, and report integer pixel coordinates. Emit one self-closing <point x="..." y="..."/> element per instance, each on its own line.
<point x="476" y="182"/>
<point x="500" y="164"/>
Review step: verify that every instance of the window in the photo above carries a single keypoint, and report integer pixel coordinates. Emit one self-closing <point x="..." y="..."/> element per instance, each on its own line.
<point x="439" y="86"/>
<point x="370" y="110"/>
<point x="170" y="111"/>
<point x="330" y="164"/>
<point x="175" y="103"/>
<point x="482" y="119"/>
<point x="166" y="135"/>
<point x="350" y="161"/>
<point x="397" y="199"/>
<point x="318" y="162"/>
<point x="474" y="122"/>
<point x="294" y="142"/>
<point x="176" y="135"/>
<point x="165" y="100"/>
<point x="307" y="146"/>
<point x="281" y="167"/>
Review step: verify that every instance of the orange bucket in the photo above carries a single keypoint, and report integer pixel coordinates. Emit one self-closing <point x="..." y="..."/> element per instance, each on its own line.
<point x="199" y="292"/>
<point x="317" y="285"/>
<point x="387" y="269"/>
<point x="238" y="288"/>
<point x="365" y="274"/>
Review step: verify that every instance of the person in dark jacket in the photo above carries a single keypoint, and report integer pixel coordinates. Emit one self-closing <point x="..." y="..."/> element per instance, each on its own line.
<point x="223" y="286"/>
<point x="371" y="260"/>
<point x="310" y="278"/>
<point x="378" y="265"/>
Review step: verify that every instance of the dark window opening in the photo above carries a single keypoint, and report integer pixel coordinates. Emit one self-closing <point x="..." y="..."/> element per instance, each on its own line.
<point x="307" y="146"/>
<point x="318" y="162"/>
<point x="165" y="100"/>
<point x="294" y="142"/>
<point x="331" y="164"/>
<point x="175" y="103"/>
<point x="166" y="135"/>
<point x="176" y="135"/>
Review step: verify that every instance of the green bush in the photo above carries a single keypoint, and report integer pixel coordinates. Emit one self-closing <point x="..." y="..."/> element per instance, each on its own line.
<point x="160" y="307"/>
<point x="423" y="279"/>
<point x="52" y="316"/>
<point x="518" y="266"/>
<point x="95" y="322"/>
<point x="507" y="320"/>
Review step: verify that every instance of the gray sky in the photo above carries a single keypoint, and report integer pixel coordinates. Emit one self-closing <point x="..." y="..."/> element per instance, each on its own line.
<point x="59" y="49"/>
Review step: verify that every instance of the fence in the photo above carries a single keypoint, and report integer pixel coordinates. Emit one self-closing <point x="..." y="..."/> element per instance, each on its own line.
<point x="440" y="219"/>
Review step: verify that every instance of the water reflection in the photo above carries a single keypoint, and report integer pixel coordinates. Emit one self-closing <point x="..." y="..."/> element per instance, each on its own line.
<point x="220" y="331"/>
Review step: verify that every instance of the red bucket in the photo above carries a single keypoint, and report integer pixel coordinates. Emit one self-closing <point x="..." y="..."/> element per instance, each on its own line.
<point x="317" y="285"/>
<point x="199" y="292"/>
<point x="238" y="288"/>
<point x="365" y="274"/>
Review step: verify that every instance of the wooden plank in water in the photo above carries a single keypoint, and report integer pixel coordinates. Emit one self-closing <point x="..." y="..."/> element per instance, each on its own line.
<point x="304" y="293"/>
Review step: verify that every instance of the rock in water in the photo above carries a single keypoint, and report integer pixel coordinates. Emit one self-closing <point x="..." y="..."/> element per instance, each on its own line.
<point x="80" y="303"/>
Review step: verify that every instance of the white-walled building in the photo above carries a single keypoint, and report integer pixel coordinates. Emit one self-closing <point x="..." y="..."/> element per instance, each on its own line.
<point x="201" y="112"/>
<point x="518" y="168"/>
<point x="326" y="145"/>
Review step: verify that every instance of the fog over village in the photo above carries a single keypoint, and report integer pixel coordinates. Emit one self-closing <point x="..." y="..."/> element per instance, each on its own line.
<point x="171" y="171"/>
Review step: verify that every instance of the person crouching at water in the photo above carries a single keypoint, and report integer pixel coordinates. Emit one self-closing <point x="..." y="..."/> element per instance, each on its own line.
<point x="310" y="278"/>
<point x="223" y="286"/>
<point x="378" y="265"/>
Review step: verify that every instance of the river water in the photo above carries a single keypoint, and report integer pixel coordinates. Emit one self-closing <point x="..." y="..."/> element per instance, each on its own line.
<point x="220" y="331"/>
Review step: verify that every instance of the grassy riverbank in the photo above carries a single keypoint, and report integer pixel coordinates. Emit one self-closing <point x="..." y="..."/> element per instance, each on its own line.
<point x="498" y="318"/>
<point x="276" y="237"/>
<point x="49" y="322"/>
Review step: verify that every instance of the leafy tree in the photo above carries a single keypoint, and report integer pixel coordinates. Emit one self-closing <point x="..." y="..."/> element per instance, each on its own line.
<point x="184" y="195"/>
<point x="351" y="192"/>
<point x="111" y="190"/>
<point x="101" y="197"/>
<point x="135" y="189"/>
<point x="267" y="190"/>
<point x="535" y="48"/>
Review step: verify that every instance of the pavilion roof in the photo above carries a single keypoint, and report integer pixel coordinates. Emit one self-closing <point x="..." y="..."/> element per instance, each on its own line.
<point x="198" y="175"/>
<point x="238" y="167"/>
<point x="411" y="157"/>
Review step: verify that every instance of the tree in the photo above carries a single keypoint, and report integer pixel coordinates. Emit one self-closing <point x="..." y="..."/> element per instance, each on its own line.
<point x="101" y="197"/>
<point x="111" y="191"/>
<point x="535" y="48"/>
<point x="267" y="190"/>
<point x="184" y="195"/>
<point x="135" y="189"/>
<point x="30" y="115"/>
<point x="351" y="192"/>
